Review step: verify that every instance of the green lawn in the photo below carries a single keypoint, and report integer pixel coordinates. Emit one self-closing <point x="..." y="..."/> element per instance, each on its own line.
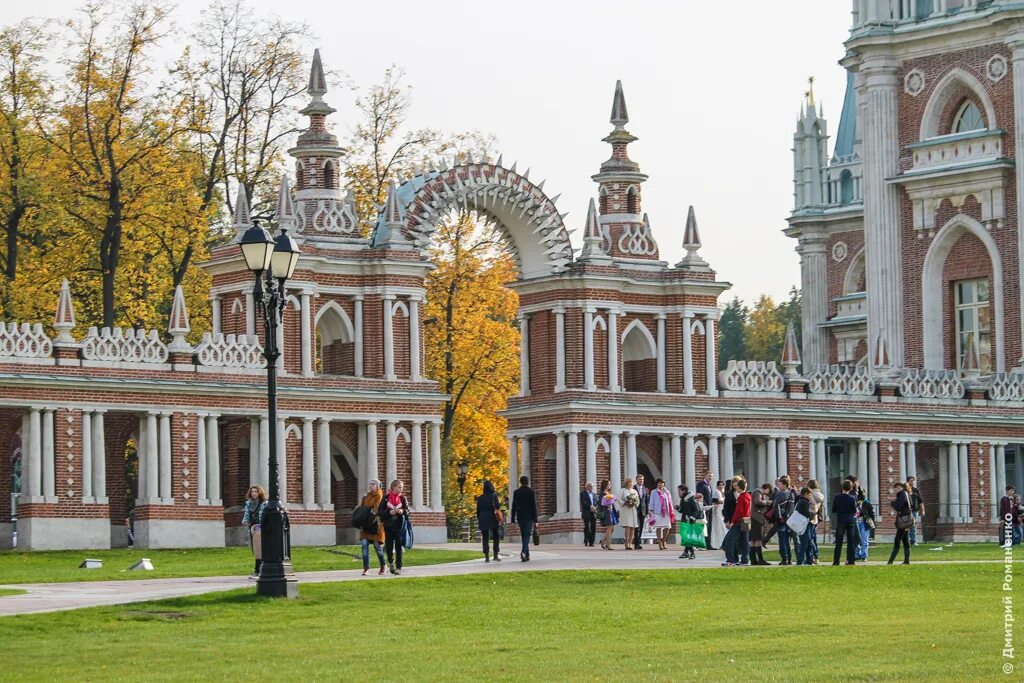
<point x="10" y="591"/>
<point x="924" y="623"/>
<point x="62" y="565"/>
<point x="929" y="551"/>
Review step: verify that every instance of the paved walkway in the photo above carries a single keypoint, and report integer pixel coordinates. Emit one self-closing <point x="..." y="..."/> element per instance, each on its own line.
<point x="53" y="597"/>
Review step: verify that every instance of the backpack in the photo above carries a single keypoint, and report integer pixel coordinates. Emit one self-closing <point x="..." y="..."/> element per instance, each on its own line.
<point x="365" y="519"/>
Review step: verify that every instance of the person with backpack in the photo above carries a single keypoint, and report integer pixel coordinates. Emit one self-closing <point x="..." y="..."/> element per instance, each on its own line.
<point x="903" y="504"/>
<point x="783" y="503"/>
<point x="371" y="531"/>
<point x="393" y="510"/>
<point x="805" y="506"/>
<point x="488" y="519"/>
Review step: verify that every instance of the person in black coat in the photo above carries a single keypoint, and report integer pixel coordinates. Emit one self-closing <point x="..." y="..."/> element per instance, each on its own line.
<point x="488" y="519"/>
<point x="524" y="513"/>
<point x="706" y="489"/>
<point x="644" y="494"/>
<point x="844" y="520"/>
<point x="588" y="510"/>
<point x="902" y="504"/>
<point x="393" y="511"/>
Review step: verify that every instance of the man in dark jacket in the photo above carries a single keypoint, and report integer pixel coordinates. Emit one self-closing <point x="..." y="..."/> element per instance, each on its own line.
<point x="844" y="520"/>
<point x="588" y="510"/>
<point x="1006" y="510"/>
<point x="524" y="513"/>
<point x="916" y="508"/>
<point x="783" y="502"/>
<point x="644" y="494"/>
<point x="706" y="491"/>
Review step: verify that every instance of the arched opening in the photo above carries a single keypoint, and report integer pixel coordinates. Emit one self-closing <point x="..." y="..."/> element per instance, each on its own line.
<point x="855" y="279"/>
<point x="968" y="117"/>
<point x="334" y="344"/>
<point x="330" y="177"/>
<point x="300" y="175"/>
<point x="632" y="200"/>
<point x="602" y="200"/>
<point x="950" y="98"/>
<point x="845" y="187"/>
<point x="639" y="358"/>
<point x="940" y="278"/>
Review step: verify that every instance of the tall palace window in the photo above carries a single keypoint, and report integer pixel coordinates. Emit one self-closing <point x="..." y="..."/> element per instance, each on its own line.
<point x="968" y="118"/>
<point x="973" y="319"/>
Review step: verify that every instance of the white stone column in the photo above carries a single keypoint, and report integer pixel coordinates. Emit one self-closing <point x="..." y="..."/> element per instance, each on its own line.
<point x="771" y="460"/>
<point x="591" y="457"/>
<point x="524" y="449"/>
<point x="993" y="485"/>
<point x="944" y="482"/>
<point x="416" y="464"/>
<point x="710" y="358"/>
<point x="306" y="339"/>
<point x="152" y="458"/>
<point x="782" y="455"/>
<point x="676" y="460"/>
<point x="435" y="467"/>
<point x="574" y="474"/>
<point x="264" y="469"/>
<point x="691" y="463"/>
<point x="213" y="460"/>
<point x="954" y="482"/>
<point x="254" y="452"/>
<point x="588" y="349"/>
<point x="559" y="349"/>
<point x="631" y="470"/>
<point x="873" y="483"/>
<point x="613" y="350"/>
<point x="912" y="459"/>
<point x="812" y="459"/>
<point x="878" y="85"/>
<point x="904" y="473"/>
<point x="99" y="458"/>
<point x="282" y="458"/>
<point x="308" y="491"/>
<point x="814" y="309"/>
<point x="661" y="352"/>
<point x="965" y="483"/>
<point x="687" y="320"/>
<point x="524" y="354"/>
<point x="713" y="459"/>
<point x="215" y="314"/>
<point x="666" y="461"/>
<point x="727" y="458"/>
<point x="49" y="463"/>
<point x="615" y="461"/>
<point x="862" y="462"/>
<point x="323" y="464"/>
<point x="822" y="457"/>
<point x="513" y="464"/>
<point x="202" y="496"/>
<point x="1017" y="57"/>
<point x="165" y="458"/>
<point x="1000" y="470"/>
<point x="414" y="339"/>
<point x="250" y="314"/>
<point x="390" y="453"/>
<point x="87" y="495"/>
<point x="561" y="489"/>
<point x="357" y="343"/>
<point x="372" y="468"/>
<point x="389" y="339"/>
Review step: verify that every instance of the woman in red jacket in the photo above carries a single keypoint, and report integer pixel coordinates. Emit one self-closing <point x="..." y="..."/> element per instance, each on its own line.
<point x="741" y="522"/>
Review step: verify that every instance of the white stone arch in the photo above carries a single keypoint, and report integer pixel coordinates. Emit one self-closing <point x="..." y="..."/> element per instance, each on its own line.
<point x="237" y="307"/>
<point x="293" y="302"/>
<point x="699" y="447"/>
<point x="402" y="434"/>
<point x="946" y="88"/>
<point x="858" y="264"/>
<point x="638" y="343"/>
<point x="641" y="456"/>
<point x="697" y="326"/>
<point x="334" y="324"/>
<point x="931" y="290"/>
<point x="400" y="307"/>
<point x="340" y="448"/>
<point x="602" y="443"/>
<point x="293" y="430"/>
<point x="525" y="215"/>
<point x="598" y="324"/>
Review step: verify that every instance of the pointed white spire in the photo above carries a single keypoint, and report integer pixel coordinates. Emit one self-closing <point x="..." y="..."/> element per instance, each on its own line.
<point x="178" y="326"/>
<point x="64" y="318"/>
<point x="620" y="117"/>
<point x="692" y="244"/>
<point x="317" y="83"/>
<point x="243" y="221"/>
<point x="285" y="213"/>
<point x="391" y="221"/>
<point x="791" y="353"/>
<point x="593" y="238"/>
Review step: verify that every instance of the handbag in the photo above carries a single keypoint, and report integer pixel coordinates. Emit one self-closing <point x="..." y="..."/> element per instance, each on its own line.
<point x="407" y="535"/>
<point x="691" y="535"/>
<point x="797" y="522"/>
<point x="904" y="520"/>
<point x="536" y="536"/>
<point x="745" y="524"/>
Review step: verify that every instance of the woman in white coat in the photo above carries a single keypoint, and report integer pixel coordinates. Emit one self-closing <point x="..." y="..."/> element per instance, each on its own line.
<point x="627" y="502"/>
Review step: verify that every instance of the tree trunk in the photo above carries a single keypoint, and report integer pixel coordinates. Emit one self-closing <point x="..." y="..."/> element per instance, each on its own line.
<point x="110" y="250"/>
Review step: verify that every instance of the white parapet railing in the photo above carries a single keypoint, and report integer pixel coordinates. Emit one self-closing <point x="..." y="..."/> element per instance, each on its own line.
<point x="921" y="383"/>
<point x="230" y="351"/>
<point x="24" y="341"/>
<point x="1006" y="386"/>
<point x="750" y="375"/>
<point x="842" y="380"/>
<point x="123" y="346"/>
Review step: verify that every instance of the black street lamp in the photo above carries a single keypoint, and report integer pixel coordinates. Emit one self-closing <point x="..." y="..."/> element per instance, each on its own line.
<point x="272" y="261"/>
<point x="462" y="467"/>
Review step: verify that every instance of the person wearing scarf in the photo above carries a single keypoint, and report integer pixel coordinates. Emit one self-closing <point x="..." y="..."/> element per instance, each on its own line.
<point x="392" y="512"/>
<point x="661" y="510"/>
<point x="372" y="500"/>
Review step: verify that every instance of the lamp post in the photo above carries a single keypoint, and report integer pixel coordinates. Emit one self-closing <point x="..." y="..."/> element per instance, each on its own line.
<point x="272" y="261"/>
<point x="463" y="468"/>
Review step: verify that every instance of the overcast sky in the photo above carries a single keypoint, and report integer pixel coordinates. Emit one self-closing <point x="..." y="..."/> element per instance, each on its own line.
<point x="713" y="90"/>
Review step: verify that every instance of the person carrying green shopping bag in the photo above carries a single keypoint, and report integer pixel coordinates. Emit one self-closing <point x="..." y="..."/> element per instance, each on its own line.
<point x="691" y="533"/>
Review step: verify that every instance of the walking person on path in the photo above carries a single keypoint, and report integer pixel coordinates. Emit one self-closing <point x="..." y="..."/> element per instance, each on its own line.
<point x="488" y="519"/>
<point x="627" y="502"/>
<point x="903" y="504"/>
<point x="916" y="507"/>
<point x="393" y="510"/>
<point x="524" y="513"/>
<point x="372" y="500"/>
<point x="255" y="502"/>
<point x="844" y="522"/>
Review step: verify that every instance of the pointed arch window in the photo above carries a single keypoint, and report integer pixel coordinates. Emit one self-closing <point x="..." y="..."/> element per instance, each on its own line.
<point x="973" y="319"/>
<point x="632" y="201"/>
<point x="968" y="118"/>
<point x="330" y="179"/>
<point x="845" y="187"/>
<point x="300" y="176"/>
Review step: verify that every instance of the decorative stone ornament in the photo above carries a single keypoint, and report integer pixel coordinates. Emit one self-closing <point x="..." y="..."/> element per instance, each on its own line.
<point x="840" y="251"/>
<point x="996" y="68"/>
<point x="914" y="82"/>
